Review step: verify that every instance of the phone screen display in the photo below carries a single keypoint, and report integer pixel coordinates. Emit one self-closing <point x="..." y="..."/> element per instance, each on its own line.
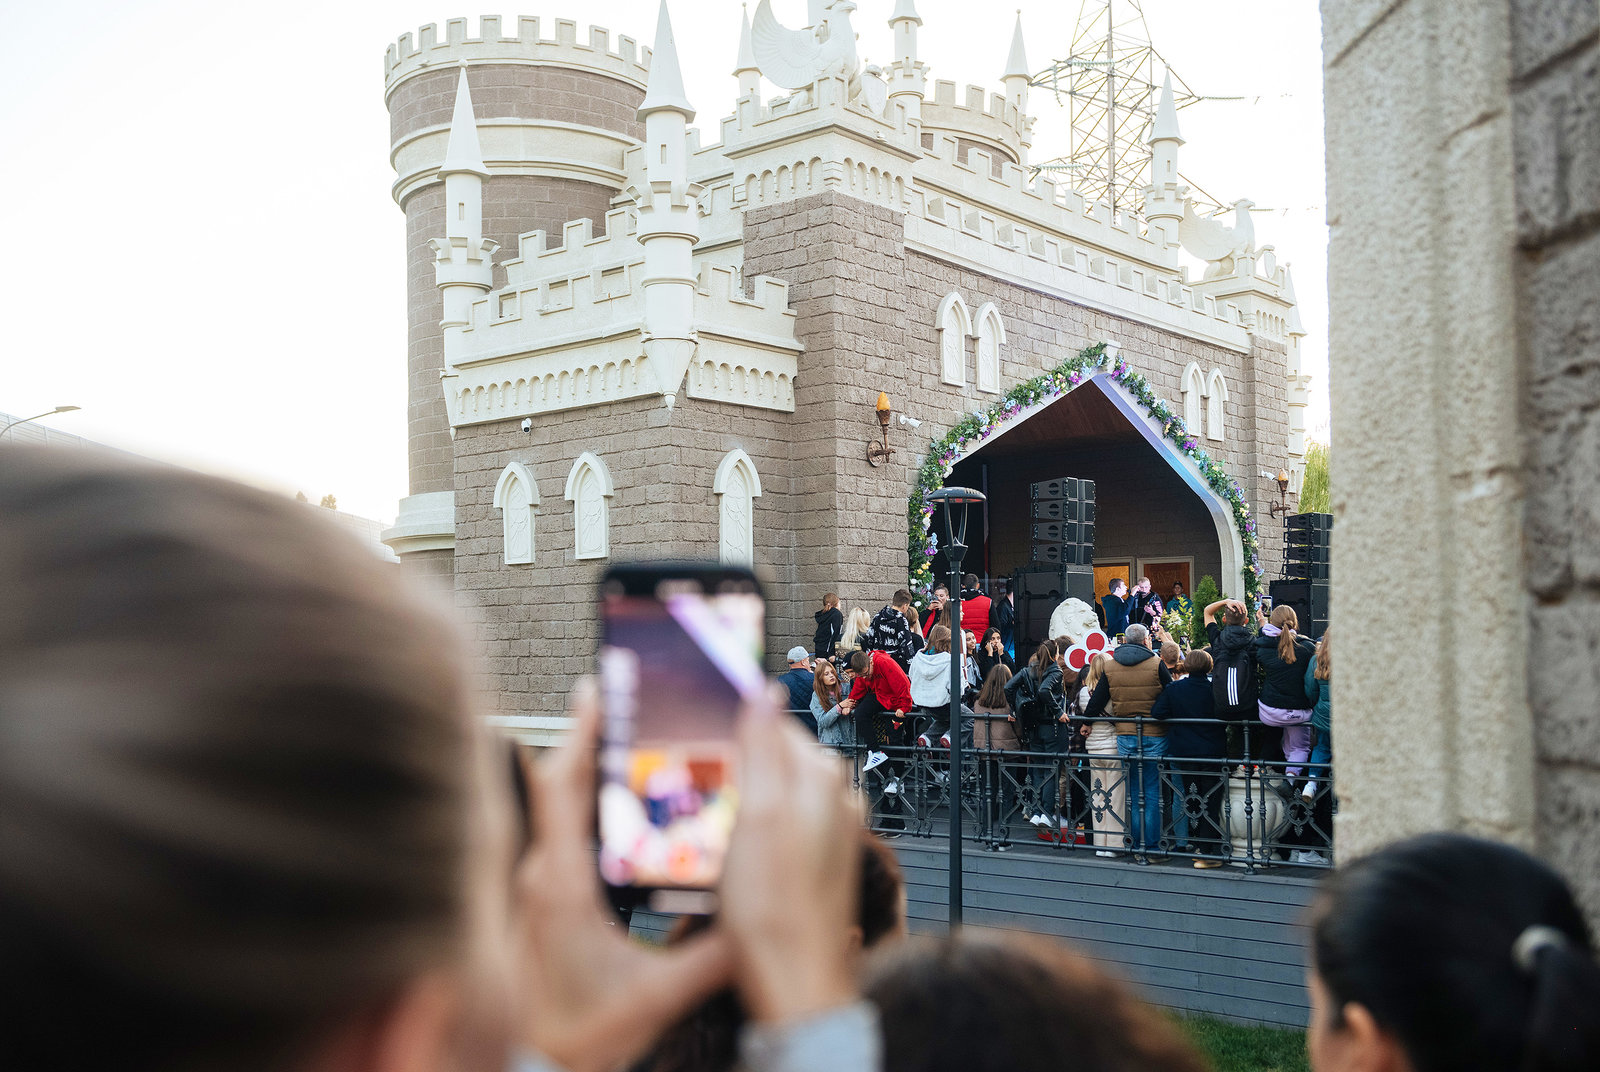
<point x="674" y="668"/>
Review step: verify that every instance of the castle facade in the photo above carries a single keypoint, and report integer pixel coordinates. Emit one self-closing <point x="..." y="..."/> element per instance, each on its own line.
<point x="628" y="339"/>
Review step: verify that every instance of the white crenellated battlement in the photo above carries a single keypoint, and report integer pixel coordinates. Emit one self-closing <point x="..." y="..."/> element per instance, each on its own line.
<point x="628" y="60"/>
<point x="977" y="102"/>
<point x="1007" y="193"/>
<point x="979" y="116"/>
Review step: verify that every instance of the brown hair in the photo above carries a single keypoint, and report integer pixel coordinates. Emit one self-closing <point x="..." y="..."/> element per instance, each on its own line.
<point x="993" y="693"/>
<point x="830" y="599"/>
<point x="939" y="638"/>
<point x="1324" y="657"/>
<point x="1170" y="652"/>
<point x="1197" y="661"/>
<point x="1047" y="652"/>
<point x="707" y="1040"/>
<point x="825" y="695"/>
<point x="1232" y="615"/>
<point x="991" y="1001"/>
<point x="860" y="661"/>
<point x="1283" y="617"/>
<point x="901" y="598"/>
<point x="236" y="772"/>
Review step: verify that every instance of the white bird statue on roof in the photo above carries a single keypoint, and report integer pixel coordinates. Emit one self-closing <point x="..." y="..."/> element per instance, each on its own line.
<point x="1205" y="237"/>
<point x="795" y="59"/>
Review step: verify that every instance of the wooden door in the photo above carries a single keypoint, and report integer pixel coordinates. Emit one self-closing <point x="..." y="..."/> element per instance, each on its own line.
<point x="1163" y="573"/>
<point x="1106" y="572"/>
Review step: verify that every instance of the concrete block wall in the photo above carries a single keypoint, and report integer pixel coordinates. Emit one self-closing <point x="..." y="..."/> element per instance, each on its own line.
<point x="1466" y="390"/>
<point x="1555" y="144"/>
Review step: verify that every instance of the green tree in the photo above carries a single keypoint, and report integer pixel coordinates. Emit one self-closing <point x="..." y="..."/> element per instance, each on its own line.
<point x="1205" y="594"/>
<point x="1314" y="488"/>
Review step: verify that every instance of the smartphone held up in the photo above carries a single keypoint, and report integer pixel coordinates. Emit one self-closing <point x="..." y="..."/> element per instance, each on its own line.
<point x="681" y="651"/>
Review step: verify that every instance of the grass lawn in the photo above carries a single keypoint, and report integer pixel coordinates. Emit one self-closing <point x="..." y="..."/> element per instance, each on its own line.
<point x="1240" y="1048"/>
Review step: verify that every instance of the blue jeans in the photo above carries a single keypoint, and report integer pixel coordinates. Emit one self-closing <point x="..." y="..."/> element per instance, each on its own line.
<point x="1144" y="789"/>
<point x="1321" y="752"/>
<point x="1054" y="738"/>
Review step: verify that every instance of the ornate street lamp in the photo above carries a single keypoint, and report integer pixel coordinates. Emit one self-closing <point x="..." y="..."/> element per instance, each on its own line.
<point x="956" y="501"/>
<point x="1282" y="505"/>
<point x="47" y="413"/>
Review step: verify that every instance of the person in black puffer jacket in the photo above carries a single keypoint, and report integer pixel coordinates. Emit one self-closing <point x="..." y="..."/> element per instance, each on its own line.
<point x="1232" y="646"/>
<point x="1048" y="731"/>
<point x="1283" y="655"/>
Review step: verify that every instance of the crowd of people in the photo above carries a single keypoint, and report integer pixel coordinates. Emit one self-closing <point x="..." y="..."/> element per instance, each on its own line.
<point x="1160" y="728"/>
<point x="251" y="820"/>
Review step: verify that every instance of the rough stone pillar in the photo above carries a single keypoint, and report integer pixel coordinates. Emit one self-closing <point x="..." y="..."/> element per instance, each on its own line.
<point x="1463" y="198"/>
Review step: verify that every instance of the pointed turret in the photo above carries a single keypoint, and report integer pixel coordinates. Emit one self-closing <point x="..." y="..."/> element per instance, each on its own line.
<point x="907" y="76"/>
<point x="664" y="91"/>
<point x="463" y="266"/>
<point x="462" y="152"/>
<point x="1017" y="61"/>
<point x="748" y="74"/>
<point x="669" y="220"/>
<point x="1163" y="198"/>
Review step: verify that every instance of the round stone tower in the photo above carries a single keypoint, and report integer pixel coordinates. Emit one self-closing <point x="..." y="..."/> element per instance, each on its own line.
<point x="554" y="117"/>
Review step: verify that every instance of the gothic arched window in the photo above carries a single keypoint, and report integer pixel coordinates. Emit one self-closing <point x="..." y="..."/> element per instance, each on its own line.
<point x="589" y="489"/>
<point x="516" y="495"/>
<point x="1216" y="400"/>
<point x="991" y="336"/>
<point x="954" y="326"/>
<point x="736" y="486"/>
<point x="1194" y="394"/>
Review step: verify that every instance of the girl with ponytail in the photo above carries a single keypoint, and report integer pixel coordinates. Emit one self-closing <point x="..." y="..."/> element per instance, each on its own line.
<point x="1446" y="953"/>
<point x="1283" y="655"/>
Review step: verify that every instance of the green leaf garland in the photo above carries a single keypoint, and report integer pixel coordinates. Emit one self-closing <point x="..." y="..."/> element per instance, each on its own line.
<point x="975" y="427"/>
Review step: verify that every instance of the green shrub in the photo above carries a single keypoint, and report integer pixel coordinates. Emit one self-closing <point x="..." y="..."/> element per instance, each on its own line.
<point x="1205" y="594"/>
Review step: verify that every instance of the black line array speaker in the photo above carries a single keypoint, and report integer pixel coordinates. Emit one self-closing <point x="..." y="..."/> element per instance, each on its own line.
<point x="1062" y="512"/>
<point x="1307" y="550"/>
<point x="1037" y="593"/>
<point x="1309" y="600"/>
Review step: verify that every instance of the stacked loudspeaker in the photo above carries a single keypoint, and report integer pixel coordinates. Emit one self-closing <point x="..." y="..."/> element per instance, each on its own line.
<point x="1061" y="565"/>
<point x="1307" y="544"/>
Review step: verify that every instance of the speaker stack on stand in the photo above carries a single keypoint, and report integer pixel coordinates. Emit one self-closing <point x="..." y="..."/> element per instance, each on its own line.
<point x="1061" y="565"/>
<point x="1307" y="542"/>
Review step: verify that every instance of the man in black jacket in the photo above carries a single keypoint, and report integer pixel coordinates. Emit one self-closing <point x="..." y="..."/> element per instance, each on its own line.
<point x="1197" y="759"/>
<point x="1232" y="646"/>
<point x="896" y="631"/>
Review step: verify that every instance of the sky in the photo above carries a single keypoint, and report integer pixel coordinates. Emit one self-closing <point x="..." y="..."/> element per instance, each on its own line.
<point x="206" y="258"/>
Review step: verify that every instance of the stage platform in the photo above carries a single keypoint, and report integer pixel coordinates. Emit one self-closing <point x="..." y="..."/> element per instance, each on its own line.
<point x="1219" y="943"/>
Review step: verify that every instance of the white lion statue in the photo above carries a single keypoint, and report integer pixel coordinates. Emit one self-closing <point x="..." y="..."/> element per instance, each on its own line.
<point x="1073" y="619"/>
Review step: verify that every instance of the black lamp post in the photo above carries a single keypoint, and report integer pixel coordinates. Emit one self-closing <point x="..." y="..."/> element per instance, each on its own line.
<point x="955" y="549"/>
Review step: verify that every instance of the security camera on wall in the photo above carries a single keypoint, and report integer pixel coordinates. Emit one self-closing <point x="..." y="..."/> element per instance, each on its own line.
<point x="912" y="421"/>
<point x="527" y="424"/>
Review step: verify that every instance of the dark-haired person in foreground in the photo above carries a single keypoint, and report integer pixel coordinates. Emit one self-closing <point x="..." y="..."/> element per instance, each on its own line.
<point x="992" y="1003"/>
<point x="251" y="822"/>
<point x="1446" y="953"/>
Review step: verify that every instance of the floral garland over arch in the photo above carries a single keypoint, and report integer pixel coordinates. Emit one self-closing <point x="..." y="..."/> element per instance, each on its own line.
<point x="972" y="429"/>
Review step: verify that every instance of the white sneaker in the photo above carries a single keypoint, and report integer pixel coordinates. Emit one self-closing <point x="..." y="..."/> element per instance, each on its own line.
<point x="875" y="759"/>
<point x="923" y="742"/>
<point x="1314" y="857"/>
<point x="944" y="742"/>
<point x="1040" y="820"/>
<point x="1104" y="852"/>
<point x="892" y="788"/>
<point x="940" y="777"/>
<point x="1309" y="791"/>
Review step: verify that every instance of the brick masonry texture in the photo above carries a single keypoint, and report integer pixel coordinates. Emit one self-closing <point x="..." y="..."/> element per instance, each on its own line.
<point x="1556" y="148"/>
<point x="865" y="310"/>
<point x="512" y="206"/>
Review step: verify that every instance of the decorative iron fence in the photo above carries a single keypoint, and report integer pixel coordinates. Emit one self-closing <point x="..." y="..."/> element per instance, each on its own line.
<point x="1240" y="810"/>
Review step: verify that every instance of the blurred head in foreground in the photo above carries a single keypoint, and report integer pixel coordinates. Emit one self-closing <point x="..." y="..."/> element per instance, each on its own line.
<point x="244" y="814"/>
<point x="1000" y="1003"/>
<point x="1446" y="953"/>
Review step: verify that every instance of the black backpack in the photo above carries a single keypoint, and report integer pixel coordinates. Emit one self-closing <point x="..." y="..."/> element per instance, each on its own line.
<point x="1233" y="682"/>
<point x="1029" y="708"/>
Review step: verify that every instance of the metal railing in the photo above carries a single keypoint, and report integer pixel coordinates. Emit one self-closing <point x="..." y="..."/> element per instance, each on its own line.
<point x="1244" y="811"/>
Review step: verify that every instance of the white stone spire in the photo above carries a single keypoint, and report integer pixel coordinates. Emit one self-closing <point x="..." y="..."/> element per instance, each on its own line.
<point x="748" y="74"/>
<point x="1016" y="76"/>
<point x="463" y="153"/>
<point x="463" y="267"/>
<point x="665" y="88"/>
<point x="669" y="219"/>
<point x="1165" y="127"/>
<point x="907" y="76"/>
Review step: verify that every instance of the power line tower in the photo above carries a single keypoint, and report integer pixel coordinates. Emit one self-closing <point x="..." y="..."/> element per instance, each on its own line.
<point x="1109" y="88"/>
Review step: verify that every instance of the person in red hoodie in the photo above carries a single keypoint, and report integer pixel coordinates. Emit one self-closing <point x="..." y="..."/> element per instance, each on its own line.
<point x="880" y="696"/>
<point x="975" y="606"/>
